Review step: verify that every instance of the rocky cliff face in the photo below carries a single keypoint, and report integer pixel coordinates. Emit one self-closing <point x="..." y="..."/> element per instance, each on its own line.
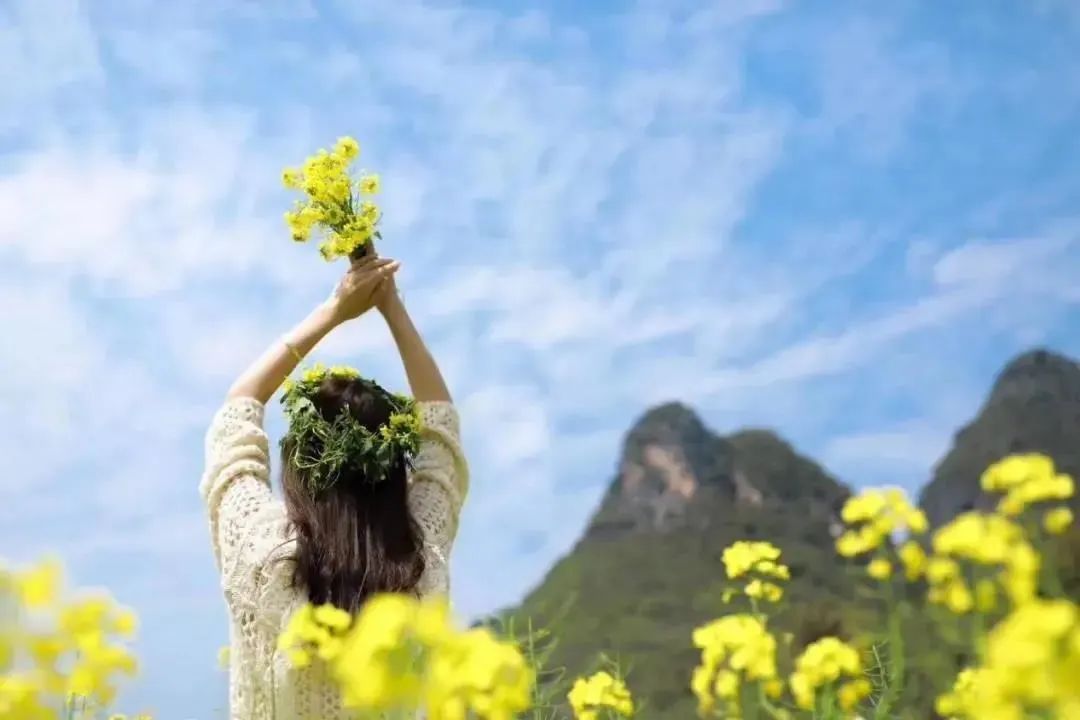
<point x="676" y="473"/>
<point x="670" y="463"/>
<point x="1034" y="407"/>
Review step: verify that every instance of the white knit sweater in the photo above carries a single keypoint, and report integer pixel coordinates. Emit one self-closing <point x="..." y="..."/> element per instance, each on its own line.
<point x="252" y="546"/>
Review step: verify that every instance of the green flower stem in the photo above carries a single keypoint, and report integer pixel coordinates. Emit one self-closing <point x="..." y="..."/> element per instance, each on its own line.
<point x="773" y="711"/>
<point x="897" y="668"/>
<point x="978" y="632"/>
<point x="1044" y="546"/>
<point x="828" y="703"/>
<point x="1057" y="588"/>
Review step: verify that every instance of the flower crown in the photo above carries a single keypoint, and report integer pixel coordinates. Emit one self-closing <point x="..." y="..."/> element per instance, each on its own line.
<point x="325" y="448"/>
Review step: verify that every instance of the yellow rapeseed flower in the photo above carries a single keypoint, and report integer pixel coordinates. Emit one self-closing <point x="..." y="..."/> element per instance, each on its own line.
<point x="941" y="570"/>
<point x="743" y="556"/>
<point x="759" y="563"/>
<point x="23" y="697"/>
<point x="369" y="184"/>
<point x="863" y="507"/>
<point x="913" y="558"/>
<point x="735" y="649"/>
<point x="1016" y="470"/>
<point x="38" y="587"/>
<point x="332" y="209"/>
<point x="824" y="664"/>
<point x="46" y="649"/>
<point x="879" y="569"/>
<point x="763" y="590"/>
<point x="1058" y="520"/>
<point x="873" y="516"/>
<point x="375" y="669"/>
<point x="474" y="674"/>
<point x="403" y="654"/>
<point x="314" y="631"/>
<point x="291" y="178"/>
<point x="1030" y="667"/>
<point x="370" y="212"/>
<point x="92" y="675"/>
<point x="601" y="690"/>
<point x="125" y="622"/>
<point x="1025" y="480"/>
<point x="987" y="540"/>
<point x="858" y="542"/>
<point x="851" y="693"/>
<point x="60" y="648"/>
<point x="335" y="619"/>
<point x="347" y="148"/>
<point x="959" y="702"/>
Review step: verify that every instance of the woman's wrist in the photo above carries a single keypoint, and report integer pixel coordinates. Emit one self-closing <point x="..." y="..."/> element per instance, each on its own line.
<point x="309" y="331"/>
<point x="327" y="315"/>
<point x="392" y="307"/>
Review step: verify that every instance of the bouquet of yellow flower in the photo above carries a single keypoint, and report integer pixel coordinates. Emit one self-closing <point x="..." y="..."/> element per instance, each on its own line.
<point x="335" y="207"/>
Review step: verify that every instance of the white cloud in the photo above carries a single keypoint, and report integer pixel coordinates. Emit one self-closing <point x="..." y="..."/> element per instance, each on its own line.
<point x="512" y="427"/>
<point x="916" y="448"/>
<point x="141" y="223"/>
<point x="571" y="201"/>
<point x="834" y="354"/>
<point x="47" y="47"/>
<point x="1002" y="264"/>
<point x="871" y="90"/>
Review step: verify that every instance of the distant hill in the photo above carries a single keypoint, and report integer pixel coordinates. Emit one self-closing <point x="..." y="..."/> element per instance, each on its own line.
<point x="1033" y="407"/>
<point x="648" y="568"/>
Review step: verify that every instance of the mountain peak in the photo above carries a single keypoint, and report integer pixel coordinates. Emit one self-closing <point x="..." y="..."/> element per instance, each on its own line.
<point x="1034" y="407"/>
<point x="668" y="457"/>
<point x="674" y="472"/>
<point x="1037" y="372"/>
<point x="668" y="421"/>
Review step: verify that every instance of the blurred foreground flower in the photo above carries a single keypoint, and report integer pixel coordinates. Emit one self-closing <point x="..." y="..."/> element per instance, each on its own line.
<point x="51" y="651"/>
<point x="987" y="549"/>
<point x="404" y="654"/>
<point x="1026" y="480"/>
<point x="601" y="690"/>
<point x="1030" y="668"/>
<point x="736" y="650"/>
<point x="759" y="563"/>
<point x="1058" y="520"/>
<point x="874" y="516"/>
<point x="832" y="666"/>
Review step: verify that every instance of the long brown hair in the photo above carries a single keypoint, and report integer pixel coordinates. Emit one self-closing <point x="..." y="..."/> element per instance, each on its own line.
<point x="356" y="538"/>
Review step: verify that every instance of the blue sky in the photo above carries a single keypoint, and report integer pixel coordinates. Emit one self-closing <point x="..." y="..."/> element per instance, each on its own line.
<point x="838" y="220"/>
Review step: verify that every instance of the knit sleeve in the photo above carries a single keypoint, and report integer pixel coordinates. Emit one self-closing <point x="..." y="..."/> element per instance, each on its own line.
<point x="440" y="481"/>
<point x="235" y="485"/>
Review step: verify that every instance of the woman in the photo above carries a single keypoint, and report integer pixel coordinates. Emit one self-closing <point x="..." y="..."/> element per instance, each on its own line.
<point x="371" y="497"/>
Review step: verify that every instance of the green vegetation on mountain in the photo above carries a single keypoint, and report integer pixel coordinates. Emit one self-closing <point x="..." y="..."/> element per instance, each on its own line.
<point x="648" y="568"/>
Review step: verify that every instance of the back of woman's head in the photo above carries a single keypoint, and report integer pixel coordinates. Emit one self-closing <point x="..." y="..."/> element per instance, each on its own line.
<point x="354" y="535"/>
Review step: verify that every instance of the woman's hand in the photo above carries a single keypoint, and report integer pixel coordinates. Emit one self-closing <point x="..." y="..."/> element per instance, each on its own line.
<point x="386" y="295"/>
<point x="361" y="287"/>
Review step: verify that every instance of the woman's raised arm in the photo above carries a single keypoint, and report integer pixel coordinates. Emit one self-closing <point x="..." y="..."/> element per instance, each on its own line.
<point x="353" y="296"/>
<point x="425" y="379"/>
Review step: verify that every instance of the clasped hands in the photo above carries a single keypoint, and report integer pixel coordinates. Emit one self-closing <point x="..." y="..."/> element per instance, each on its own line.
<point x="368" y="283"/>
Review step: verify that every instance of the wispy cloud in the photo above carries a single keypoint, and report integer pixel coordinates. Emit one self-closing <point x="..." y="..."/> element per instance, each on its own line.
<point x="831" y="221"/>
